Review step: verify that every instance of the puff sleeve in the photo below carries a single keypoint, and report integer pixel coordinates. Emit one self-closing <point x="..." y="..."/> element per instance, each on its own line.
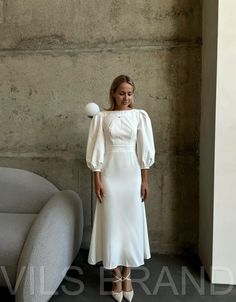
<point x="96" y="144"/>
<point x="145" y="142"/>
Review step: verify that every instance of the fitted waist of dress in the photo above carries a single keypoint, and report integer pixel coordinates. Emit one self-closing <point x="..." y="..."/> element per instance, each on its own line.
<point x="120" y="148"/>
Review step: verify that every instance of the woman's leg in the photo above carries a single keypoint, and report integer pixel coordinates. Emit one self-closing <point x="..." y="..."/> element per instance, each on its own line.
<point x="116" y="283"/>
<point x="127" y="283"/>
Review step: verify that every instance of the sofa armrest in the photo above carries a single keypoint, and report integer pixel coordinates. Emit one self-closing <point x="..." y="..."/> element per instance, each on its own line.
<point x="51" y="246"/>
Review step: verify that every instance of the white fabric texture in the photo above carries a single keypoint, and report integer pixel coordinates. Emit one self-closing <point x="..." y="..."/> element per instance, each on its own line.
<point x="120" y="144"/>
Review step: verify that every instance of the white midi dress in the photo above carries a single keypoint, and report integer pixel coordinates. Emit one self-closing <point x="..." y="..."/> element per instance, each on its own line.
<point x="120" y="144"/>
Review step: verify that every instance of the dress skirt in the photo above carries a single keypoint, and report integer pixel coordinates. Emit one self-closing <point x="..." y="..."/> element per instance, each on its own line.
<point x="120" y="234"/>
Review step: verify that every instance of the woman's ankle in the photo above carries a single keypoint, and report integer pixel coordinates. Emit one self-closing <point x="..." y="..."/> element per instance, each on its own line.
<point x="126" y="271"/>
<point x="116" y="272"/>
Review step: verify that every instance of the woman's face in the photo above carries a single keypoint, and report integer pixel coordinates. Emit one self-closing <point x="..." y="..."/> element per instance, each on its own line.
<point x="123" y="96"/>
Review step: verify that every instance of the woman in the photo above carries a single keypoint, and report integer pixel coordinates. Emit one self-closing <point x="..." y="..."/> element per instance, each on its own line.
<point x="120" y="151"/>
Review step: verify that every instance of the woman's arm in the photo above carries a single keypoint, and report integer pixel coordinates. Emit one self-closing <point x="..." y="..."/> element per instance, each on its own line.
<point x="99" y="190"/>
<point x="144" y="185"/>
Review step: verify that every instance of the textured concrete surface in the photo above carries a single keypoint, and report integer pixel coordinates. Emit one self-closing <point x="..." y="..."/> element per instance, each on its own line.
<point x="44" y="24"/>
<point x="50" y="91"/>
<point x="56" y="56"/>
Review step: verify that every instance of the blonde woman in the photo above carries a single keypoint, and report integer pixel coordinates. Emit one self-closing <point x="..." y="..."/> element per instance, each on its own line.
<point x="120" y="151"/>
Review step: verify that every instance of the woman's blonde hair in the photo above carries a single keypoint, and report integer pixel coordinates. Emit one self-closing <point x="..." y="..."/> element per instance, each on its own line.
<point x="115" y="84"/>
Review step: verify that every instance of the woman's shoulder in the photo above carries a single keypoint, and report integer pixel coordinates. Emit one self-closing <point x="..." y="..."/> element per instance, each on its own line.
<point x="142" y="113"/>
<point x="99" y="114"/>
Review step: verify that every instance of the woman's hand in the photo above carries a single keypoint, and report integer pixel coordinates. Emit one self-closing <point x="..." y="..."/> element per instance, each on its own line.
<point x="144" y="190"/>
<point x="144" y="184"/>
<point x="99" y="189"/>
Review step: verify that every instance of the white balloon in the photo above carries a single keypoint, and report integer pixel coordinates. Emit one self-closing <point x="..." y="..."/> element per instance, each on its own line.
<point x="91" y="109"/>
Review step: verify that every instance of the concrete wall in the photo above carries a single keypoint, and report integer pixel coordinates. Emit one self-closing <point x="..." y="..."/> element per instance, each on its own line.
<point x="57" y="55"/>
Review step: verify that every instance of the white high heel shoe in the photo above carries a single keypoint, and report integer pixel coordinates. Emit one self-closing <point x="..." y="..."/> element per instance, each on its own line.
<point x="118" y="296"/>
<point x="128" y="295"/>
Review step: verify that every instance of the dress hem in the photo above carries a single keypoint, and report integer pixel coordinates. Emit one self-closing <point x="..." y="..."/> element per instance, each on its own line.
<point x="120" y="264"/>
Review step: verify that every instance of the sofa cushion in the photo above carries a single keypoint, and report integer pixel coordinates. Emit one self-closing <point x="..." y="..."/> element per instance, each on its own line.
<point x="14" y="229"/>
<point x="23" y="191"/>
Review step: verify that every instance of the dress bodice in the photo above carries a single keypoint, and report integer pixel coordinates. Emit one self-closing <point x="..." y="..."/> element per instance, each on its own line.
<point x="120" y="128"/>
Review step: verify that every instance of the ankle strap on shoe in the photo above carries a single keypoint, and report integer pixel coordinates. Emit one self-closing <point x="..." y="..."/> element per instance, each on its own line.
<point x="116" y="277"/>
<point x="127" y="277"/>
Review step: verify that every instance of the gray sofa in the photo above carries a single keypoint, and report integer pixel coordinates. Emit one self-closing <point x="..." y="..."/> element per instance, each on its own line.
<point x="40" y="234"/>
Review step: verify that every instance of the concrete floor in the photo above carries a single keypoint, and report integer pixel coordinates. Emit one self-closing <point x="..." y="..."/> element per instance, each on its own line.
<point x="163" y="278"/>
